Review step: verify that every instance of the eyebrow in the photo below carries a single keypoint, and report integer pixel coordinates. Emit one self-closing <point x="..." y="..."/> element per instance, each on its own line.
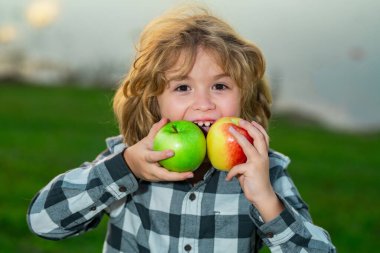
<point x="222" y="75"/>
<point x="186" y="77"/>
<point x="178" y="78"/>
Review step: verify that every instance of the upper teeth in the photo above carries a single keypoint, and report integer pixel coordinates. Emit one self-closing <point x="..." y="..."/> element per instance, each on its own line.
<point x="203" y="123"/>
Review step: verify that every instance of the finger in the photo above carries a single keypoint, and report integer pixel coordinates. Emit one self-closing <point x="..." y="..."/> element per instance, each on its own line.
<point x="155" y="156"/>
<point x="164" y="175"/>
<point x="156" y="127"/>
<point x="259" y="140"/>
<point x="235" y="171"/>
<point x="263" y="131"/>
<point x="247" y="147"/>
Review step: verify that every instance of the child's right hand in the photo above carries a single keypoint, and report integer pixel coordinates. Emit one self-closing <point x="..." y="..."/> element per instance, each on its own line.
<point x="143" y="161"/>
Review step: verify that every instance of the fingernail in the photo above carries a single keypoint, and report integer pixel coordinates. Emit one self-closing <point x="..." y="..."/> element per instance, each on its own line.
<point x="190" y="175"/>
<point x="232" y="129"/>
<point x="242" y="121"/>
<point x="169" y="153"/>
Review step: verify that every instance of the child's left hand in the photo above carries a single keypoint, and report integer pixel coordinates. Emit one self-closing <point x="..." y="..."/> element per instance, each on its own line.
<point x="253" y="175"/>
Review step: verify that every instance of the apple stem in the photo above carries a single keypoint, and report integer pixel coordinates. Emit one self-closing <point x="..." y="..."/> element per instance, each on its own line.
<point x="174" y="129"/>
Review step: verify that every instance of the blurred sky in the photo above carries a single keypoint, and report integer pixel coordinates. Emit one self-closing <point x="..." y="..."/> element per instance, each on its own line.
<point x="323" y="56"/>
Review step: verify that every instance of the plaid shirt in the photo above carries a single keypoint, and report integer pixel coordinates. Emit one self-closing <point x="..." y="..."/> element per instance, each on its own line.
<point x="211" y="216"/>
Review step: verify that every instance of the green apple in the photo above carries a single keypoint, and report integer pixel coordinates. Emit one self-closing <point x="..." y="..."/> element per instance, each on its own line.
<point x="186" y="140"/>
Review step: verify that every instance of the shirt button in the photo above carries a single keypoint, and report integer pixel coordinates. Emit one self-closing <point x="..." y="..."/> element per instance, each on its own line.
<point x="269" y="234"/>
<point x="192" y="196"/>
<point x="187" y="247"/>
<point x="122" y="189"/>
<point x="93" y="208"/>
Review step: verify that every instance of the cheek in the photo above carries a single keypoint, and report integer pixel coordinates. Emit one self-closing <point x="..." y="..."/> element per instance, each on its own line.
<point x="162" y="105"/>
<point x="164" y="111"/>
<point x="231" y="107"/>
<point x="171" y="108"/>
<point x="234" y="109"/>
<point x="237" y="106"/>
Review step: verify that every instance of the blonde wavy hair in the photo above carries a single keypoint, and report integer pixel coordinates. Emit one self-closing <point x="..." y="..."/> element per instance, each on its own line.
<point x="183" y="31"/>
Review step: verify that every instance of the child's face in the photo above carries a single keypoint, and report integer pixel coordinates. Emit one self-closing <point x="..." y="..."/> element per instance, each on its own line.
<point x="206" y="94"/>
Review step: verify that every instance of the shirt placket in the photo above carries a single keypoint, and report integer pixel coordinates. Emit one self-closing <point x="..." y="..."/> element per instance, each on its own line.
<point x="191" y="211"/>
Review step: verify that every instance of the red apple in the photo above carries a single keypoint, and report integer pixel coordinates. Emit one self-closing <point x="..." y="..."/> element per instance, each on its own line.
<point x="223" y="151"/>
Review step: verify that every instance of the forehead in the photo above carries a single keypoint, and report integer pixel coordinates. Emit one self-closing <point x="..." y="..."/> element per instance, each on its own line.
<point x="183" y="61"/>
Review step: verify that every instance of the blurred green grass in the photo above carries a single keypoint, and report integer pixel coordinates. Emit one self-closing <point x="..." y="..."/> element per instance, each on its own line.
<point x="46" y="131"/>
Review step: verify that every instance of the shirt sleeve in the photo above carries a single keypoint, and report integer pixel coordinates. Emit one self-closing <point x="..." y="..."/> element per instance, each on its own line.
<point x="75" y="201"/>
<point x="292" y="230"/>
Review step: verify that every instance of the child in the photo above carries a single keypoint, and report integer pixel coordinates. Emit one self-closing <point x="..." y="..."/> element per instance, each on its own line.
<point x="190" y="66"/>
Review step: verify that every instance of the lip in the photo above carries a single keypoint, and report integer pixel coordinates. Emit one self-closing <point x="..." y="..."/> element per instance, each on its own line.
<point x="203" y="119"/>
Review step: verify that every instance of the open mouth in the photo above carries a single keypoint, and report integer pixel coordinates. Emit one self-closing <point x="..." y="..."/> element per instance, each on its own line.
<point x="204" y="125"/>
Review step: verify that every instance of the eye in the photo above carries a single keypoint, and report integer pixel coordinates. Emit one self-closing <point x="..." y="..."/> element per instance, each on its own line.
<point x="182" y="88"/>
<point x="220" y="86"/>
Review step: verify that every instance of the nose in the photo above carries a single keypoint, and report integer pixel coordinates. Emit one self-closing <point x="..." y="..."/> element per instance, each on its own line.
<point x="203" y="101"/>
